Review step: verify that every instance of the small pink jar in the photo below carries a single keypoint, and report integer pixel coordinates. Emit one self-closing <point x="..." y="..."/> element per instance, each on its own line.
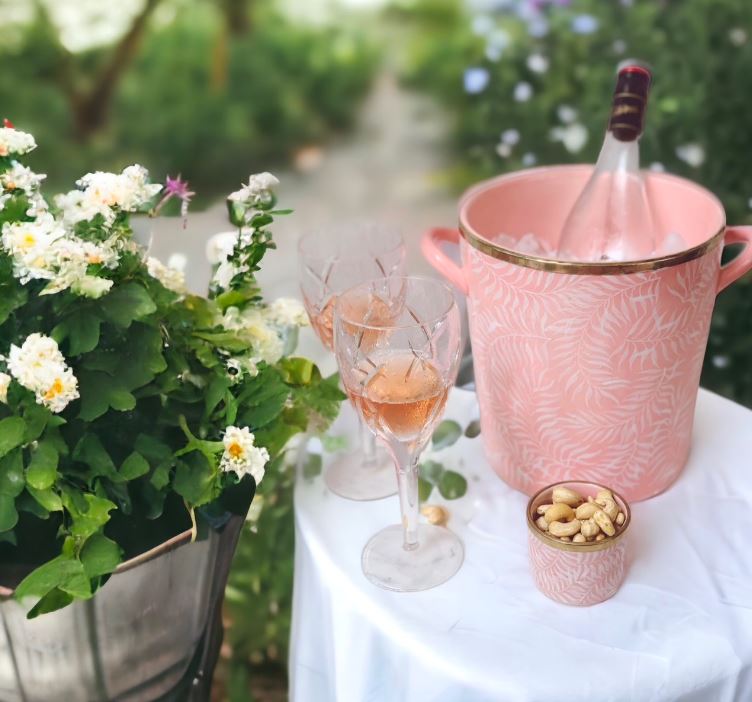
<point x="576" y="574"/>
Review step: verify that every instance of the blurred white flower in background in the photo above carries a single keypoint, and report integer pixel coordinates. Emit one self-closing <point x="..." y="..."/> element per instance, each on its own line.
<point x="566" y="113"/>
<point x="523" y="91"/>
<point x="585" y="24"/>
<point x="573" y="136"/>
<point x="619" y="46"/>
<point x="692" y="154"/>
<point x="482" y="25"/>
<point x="738" y="36"/>
<point x="510" y="136"/>
<point x="537" y="63"/>
<point x="657" y="167"/>
<point x="504" y="150"/>
<point x="4" y="383"/>
<point x="529" y="159"/>
<point x="476" y="80"/>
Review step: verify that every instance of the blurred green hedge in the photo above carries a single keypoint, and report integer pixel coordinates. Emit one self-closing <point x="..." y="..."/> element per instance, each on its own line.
<point x="529" y="82"/>
<point x="196" y="98"/>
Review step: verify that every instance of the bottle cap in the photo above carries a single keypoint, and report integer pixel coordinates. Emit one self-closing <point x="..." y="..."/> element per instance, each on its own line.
<point x="630" y="100"/>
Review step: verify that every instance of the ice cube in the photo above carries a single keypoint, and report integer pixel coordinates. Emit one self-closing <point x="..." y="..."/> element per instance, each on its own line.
<point x="526" y="244"/>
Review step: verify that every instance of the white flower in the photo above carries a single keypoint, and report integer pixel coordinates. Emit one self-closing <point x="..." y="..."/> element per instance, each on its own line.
<point x="39" y="366"/>
<point x="287" y="312"/>
<point x="657" y="167"/>
<point x="504" y="150"/>
<point x="4" y="383"/>
<point x="510" y="136"/>
<point x="523" y="91"/>
<point x="91" y="286"/>
<point x="476" y="79"/>
<point x="220" y="246"/>
<point x="529" y="159"/>
<point x="585" y="24"/>
<point x="537" y="63"/>
<point x="171" y="278"/>
<point x="62" y="390"/>
<point x="19" y="177"/>
<point x="573" y="136"/>
<point x="257" y="190"/>
<point x="692" y="154"/>
<point x="224" y="274"/>
<point x="566" y="113"/>
<point x="241" y="455"/>
<point x="29" y="244"/>
<point x="253" y="325"/>
<point x="104" y="194"/>
<point x="13" y="141"/>
<point x="738" y="36"/>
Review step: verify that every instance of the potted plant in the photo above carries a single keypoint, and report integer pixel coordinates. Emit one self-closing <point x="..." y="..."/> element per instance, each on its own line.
<point x="136" y="422"/>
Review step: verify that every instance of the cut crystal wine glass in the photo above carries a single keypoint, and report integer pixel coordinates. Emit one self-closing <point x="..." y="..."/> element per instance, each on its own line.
<point x="332" y="260"/>
<point x="398" y="362"/>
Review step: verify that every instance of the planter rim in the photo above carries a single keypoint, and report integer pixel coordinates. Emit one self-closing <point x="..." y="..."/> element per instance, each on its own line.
<point x="165" y="547"/>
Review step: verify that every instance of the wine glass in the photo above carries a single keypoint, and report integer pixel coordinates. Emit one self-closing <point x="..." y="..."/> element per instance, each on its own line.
<point x="397" y="368"/>
<point x="332" y="260"/>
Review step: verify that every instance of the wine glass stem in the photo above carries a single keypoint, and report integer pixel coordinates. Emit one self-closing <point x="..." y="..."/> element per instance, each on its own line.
<point x="407" y="482"/>
<point x="368" y="444"/>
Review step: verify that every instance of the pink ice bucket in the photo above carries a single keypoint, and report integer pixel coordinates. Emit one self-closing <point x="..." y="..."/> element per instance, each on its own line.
<point x="587" y="371"/>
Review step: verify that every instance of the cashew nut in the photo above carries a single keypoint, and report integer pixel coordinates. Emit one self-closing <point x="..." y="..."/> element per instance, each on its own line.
<point x="564" y="528"/>
<point x="590" y="528"/>
<point x="600" y="537"/>
<point x="604" y="495"/>
<point x="604" y="522"/>
<point x="558" y="512"/>
<point x="566" y="496"/>
<point x="541" y="523"/>
<point x="609" y="507"/>
<point x="542" y="509"/>
<point x="620" y="518"/>
<point x="565" y="538"/>
<point x="579" y="539"/>
<point x="435" y="514"/>
<point x="586" y="510"/>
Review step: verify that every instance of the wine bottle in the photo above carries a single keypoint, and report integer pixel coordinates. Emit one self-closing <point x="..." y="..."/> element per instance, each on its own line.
<point x="612" y="219"/>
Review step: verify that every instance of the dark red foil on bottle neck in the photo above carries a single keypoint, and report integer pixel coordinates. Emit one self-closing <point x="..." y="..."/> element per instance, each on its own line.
<point x="630" y="100"/>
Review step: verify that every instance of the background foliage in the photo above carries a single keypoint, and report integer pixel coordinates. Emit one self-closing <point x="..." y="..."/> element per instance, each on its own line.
<point x="528" y="82"/>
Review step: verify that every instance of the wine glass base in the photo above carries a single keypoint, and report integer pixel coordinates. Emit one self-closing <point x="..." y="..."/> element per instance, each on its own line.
<point x="347" y="477"/>
<point x="389" y="565"/>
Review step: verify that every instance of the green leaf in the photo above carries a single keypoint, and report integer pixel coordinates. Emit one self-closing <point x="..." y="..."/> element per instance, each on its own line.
<point x="48" y="499"/>
<point x="88" y="522"/>
<point x="312" y="466"/>
<point x="63" y="572"/>
<point x="446" y="434"/>
<point x="194" y="479"/>
<point x="299" y="371"/>
<point x="12" y="430"/>
<point x="42" y="470"/>
<point x="215" y="393"/>
<point x="12" y="297"/>
<point x="121" y="400"/>
<point x="55" y="599"/>
<point x="134" y="466"/>
<point x="229" y="341"/>
<point x="473" y="429"/>
<point x="8" y="513"/>
<point x="152" y="449"/>
<point x="230" y="298"/>
<point x="89" y="450"/>
<point x="127" y="303"/>
<point x="81" y="329"/>
<point x="8" y="537"/>
<point x="26" y="503"/>
<point x="424" y="489"/>
<point x="452" y="485"/>
<point x="37" y="418"/>
<point x="100" y="556"/>
<point x="160" y="478"/>
<point x="431" y="471"/>
<point x="12" y="474"/>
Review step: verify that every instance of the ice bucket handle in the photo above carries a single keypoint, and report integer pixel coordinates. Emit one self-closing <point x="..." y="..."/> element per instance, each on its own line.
<point x="743" y="262"/>
<point x="431" y="247"/>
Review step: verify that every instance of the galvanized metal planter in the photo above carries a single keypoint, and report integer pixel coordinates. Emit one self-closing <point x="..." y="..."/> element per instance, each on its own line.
<point x="151" y="633"/>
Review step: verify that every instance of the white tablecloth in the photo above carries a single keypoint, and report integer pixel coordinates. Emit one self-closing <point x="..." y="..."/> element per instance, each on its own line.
<point x="680" y="628"/>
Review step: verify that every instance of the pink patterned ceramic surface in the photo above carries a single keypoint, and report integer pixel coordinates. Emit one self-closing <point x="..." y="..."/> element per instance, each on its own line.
<point x="573" y="578"/>
<point x="590" y="377"/>
<point x="583" y="375"/>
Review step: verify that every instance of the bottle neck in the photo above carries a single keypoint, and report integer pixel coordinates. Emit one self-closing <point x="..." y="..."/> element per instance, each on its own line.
<point x="618" y="155"/>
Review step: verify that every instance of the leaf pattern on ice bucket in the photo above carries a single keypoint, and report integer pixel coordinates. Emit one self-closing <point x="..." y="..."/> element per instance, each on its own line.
<point x="589" y="376"/>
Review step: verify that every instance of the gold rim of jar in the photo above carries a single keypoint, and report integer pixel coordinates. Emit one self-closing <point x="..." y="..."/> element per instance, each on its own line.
<point x="555" y="542"/>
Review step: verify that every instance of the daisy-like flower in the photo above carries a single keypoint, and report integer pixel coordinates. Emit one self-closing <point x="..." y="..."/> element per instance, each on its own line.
<point x="29" y="244"/>
<point x="287" y="312"/>
<point x="257" y="190"/>
<point x="241" y="456"/>
<point x="19" y="177"/>
<point x="172" y="278"/>
<point x="62" y="390"/>
<point x="39" y="366"/>
<point x="104" y="194"/>
<point x="254" y="326"/>
<point x="4" y="383"/>
<point x="14" y="141"/>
